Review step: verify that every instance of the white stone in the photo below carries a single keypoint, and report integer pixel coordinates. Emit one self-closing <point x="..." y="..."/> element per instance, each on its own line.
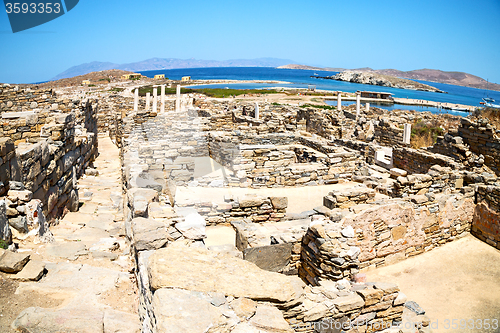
<point x="348" y="232"/>
<point x="193" y="226"/>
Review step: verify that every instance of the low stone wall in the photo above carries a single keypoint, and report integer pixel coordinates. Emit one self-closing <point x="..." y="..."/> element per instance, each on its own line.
<point x="396" y="229"/>
<point x="250" y="208"/>
<point x="486" y="223"/>
<point x="419" y="161"/>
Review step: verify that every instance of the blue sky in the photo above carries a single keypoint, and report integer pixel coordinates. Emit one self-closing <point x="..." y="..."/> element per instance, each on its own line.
<point x="448" y="35"/>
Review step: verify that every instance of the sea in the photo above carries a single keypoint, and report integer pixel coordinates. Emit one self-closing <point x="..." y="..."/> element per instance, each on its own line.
<point x="304" y="78"/>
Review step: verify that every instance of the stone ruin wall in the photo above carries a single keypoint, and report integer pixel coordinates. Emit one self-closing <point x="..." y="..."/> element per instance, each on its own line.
<point x="486" y="223"/>
<point x="40" y="169"/>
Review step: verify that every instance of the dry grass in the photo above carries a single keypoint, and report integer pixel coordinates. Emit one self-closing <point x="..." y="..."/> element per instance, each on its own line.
<point x="422" y="140"/>
<point x="425" y="133"/>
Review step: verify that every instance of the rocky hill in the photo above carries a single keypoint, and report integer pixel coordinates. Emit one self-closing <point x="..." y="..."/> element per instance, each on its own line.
<point x="431" y="75"/>
<point x="381" y="80"/>
<point x="94" y="78"/>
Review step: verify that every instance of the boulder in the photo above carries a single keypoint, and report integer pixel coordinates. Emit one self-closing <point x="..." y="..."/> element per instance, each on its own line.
<point x="33" y="271"/>
<point x="272" y="258"/>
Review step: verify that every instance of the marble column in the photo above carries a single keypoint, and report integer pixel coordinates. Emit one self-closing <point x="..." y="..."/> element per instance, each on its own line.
<point x="407" y="134"/>
<point x="358" y="102"/>
<point x="136" y="99"/>
<point x="148" y="98"/>
<point x="339" y="100"/>
<point x="367" y="107"/>
<point x="178" y="99"/>
<point x="256" y="110"/>
<point x="162" y="108"/>
<point x="155" y="98"/>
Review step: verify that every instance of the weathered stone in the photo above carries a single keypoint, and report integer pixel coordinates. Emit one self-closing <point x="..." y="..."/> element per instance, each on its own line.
<point x="370" y="295"/>
<point x="216" y="272"/>
<point x="33" y="271"/>
<point x="268" y="317"/>
<point x="148" y="234"/>
<point x="5" y="233"/>
<point x="279" y="202"/>
<point x="388" y="288"/>
<point x="272" y="258"/>
<point x="193" y="226"/>
<point x="348" y="232"/>
<point x="185" y="311"/>
<point x="251" y="201"/>
<point x="12" y="262"/>
<point x="400" y="299"/>
<point x="70" y="250"/>
<point x="348" y="303"/>
<point x="244" y="307"/>
<point x="19" y="223"/>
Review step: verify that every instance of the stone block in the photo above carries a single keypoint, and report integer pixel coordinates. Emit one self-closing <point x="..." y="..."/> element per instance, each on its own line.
<point x="148" y="234"/>
<point x="348" y="303"/>
<point x="279" y="202"/>
<point x="273" y="258"/>
<point x="33" y="271"/>
<point x="12" y="262"/>
<point x="371" y="295"/>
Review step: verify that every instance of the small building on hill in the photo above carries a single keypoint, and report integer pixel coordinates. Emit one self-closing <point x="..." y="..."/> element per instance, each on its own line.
<point x="160" y="77"/>
<point x="131" y="76"/>
<point x="186" y="78"/>
<point x="85" y="82"/>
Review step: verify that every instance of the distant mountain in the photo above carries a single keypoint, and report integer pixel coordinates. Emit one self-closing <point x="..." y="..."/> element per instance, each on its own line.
<point x="94" y="66"/>
<point x="169" y="63"/>
<point x="431" y="75"/>
<point x="311" y="68"/>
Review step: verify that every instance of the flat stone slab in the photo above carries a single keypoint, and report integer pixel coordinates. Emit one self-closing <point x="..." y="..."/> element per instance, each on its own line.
<point x="85" y="319"/>
<point x="272" y="258"/>
<point x="33" y="271"/>
<point x="182" y="311"/>
<point x="268" y="317"/>
<point x="69" y="250"/>
<point x="216" y="272"/>
<point x="12" y="262"/>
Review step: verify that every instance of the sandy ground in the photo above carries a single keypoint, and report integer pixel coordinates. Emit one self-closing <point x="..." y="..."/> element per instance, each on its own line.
<point x="460" y="280"/>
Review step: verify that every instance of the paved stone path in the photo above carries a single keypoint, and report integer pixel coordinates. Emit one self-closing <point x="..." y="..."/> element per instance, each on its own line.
<point x="89" y="269"/>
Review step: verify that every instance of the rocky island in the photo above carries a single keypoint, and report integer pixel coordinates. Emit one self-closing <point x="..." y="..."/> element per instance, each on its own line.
<point x="381" y="80"/>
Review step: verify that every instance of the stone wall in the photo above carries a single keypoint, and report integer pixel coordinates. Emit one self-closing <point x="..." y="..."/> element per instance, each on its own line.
<point x="482" y="139"/>
<point x="45" y="167"/>
<point x="419" y="161"/>
<point x="389" y="231"/>
<point x="387" y="134"/>
<point x="486" y="223"/>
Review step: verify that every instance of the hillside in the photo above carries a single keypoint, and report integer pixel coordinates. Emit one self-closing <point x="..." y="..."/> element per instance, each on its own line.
<point x="168" y="63"/>
<point x="376" y="79"/>
<point x="431" y="75"/>
<point x="94" y="78"/>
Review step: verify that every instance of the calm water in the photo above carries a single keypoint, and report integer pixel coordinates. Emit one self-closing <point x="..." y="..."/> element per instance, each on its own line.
<point x="405" y="107"/>
<point x="302" y="78"/>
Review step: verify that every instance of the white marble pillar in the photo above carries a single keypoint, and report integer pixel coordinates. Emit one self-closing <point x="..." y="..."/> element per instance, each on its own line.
<point x="162" y="108"/>
<point x="358" y="102"/>
<point x="155" y="98"/>
<point x="136" y="99"/>
<point x="256" y="110"/>
<point x="148" y="97"/>
<point x="178" y="99"/>
<point x="407" y="134"/>
<point x="367" y="107"/>
<point x="339" y="100"/>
